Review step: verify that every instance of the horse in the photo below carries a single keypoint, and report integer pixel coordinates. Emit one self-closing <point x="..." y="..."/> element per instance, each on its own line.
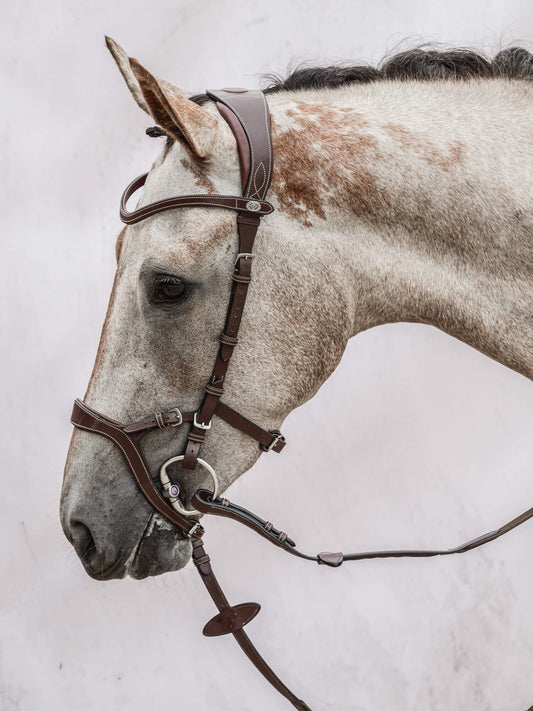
<point x="402" y="194"/>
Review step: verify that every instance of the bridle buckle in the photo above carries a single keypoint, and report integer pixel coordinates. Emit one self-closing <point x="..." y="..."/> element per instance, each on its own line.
<point x="160" y="418"/>
<point x="179" y="421"/>
<point x="197" y="527"/>
<point x="278" y="437"/>
<point x="246" y="255"/>
<point x="201" y="424"/>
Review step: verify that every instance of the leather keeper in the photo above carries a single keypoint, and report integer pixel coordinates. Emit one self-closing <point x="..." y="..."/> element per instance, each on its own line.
<point x="200" y="561"/>
<point x="242" y="279"/>
<point x="213" y="390"/>
<point x="198" y="438"/>
<point x="228" y="340"/>
<point x="280" y="443"/>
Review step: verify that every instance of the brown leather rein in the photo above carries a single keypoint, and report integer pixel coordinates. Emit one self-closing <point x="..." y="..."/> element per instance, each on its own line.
<point x="246" y="112"/>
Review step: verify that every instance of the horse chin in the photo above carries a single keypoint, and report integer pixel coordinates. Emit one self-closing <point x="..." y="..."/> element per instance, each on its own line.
<point x="160" y="550"/>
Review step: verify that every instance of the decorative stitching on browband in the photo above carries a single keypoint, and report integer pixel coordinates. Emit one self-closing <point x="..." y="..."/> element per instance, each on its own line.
<point x="256" y="193"/>
<point x="250" y="143"/>
<point x="213" y="200"/>
<point x="269" y="139"/>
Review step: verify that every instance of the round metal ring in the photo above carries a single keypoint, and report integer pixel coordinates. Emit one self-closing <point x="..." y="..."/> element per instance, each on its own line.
<point x="171" y="491"/>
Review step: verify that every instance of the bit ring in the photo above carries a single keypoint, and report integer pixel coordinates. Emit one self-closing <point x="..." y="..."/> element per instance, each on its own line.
<point x="171" y="491"/>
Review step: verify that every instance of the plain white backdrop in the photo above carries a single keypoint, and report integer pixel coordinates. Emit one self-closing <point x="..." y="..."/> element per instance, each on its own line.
<point x="416" y="440"/>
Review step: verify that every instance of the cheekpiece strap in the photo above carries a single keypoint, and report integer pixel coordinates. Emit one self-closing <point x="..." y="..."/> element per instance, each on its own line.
<point x="246" y="112"/>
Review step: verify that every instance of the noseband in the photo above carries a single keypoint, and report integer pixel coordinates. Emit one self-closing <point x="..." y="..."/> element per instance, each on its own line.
<point x="246" y="113"/>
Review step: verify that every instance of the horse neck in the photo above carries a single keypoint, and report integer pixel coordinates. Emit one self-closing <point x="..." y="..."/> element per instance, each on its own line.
<point x="423" y="190"/>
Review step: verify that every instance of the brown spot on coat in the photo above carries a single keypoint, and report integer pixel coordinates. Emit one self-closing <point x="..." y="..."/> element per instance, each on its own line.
<point x="200" y="175"/>
<point x="323" y="160"/>
<point x="427" y="150"/>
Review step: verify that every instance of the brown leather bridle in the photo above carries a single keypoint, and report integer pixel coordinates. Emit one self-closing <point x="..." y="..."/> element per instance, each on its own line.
<point x="247" y="114"/>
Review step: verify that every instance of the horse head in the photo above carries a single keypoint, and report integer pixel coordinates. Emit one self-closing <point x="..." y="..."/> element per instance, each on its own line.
<point x="161" y="335"/>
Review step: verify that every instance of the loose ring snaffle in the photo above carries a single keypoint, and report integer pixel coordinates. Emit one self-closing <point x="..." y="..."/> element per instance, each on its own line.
<point x="172" y="491"/>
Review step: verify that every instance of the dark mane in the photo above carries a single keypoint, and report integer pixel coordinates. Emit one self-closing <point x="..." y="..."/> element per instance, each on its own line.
<point x="420" y="64"/>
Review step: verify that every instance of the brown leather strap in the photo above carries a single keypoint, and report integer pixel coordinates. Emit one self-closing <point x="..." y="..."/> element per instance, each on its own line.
<point x="203" y="501"/>
<point x="272" y="441"/>
<point x="203" y="565"/>
<point x="252" y="133"/>
<point x="247" y="228"/>
<point x="172" y="418"/>
<point x="85" y="418"/>
<point x="251" y="110"/>
<point x="247" y="114"/>
<point x="230" y="202"/>
<point x="269" y="440"/>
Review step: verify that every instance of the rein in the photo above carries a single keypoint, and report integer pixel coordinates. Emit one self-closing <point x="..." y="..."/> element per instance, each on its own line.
<point x="246" y="113"/>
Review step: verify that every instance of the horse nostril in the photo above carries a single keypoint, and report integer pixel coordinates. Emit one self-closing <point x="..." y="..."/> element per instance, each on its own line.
<point x="82" y="540"/>
<point x="101" y="562"/>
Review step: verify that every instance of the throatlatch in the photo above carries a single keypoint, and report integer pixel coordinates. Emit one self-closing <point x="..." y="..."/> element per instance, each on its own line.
<point x="246" y="112"/>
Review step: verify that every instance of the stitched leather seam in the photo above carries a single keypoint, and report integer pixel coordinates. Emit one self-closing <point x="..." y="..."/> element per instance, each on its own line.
<point x="182" y="526"/>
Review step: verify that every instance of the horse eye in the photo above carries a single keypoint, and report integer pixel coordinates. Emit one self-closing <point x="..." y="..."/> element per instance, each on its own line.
<point x="170" y="289"/>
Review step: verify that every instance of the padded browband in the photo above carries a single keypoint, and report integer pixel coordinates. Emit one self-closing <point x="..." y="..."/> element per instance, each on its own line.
<point x="256" y="152"/>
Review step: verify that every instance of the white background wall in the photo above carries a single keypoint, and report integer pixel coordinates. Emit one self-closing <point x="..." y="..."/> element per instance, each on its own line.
<point x="435" y="444"/>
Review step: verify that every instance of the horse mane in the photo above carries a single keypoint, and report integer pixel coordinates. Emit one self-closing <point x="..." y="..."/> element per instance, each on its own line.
<point x="419" y="64"/>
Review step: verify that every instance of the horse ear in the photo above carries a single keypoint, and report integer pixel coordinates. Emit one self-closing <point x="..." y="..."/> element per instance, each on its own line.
<point x="168" y="105"/>
<point x="123" y="63"/>
<point x="173" y="111"/>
